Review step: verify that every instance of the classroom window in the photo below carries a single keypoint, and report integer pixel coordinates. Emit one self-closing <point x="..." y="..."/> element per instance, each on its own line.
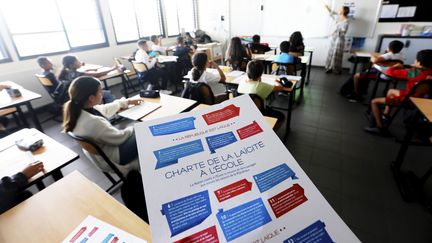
<point x="179" y="16"/>
<point x="4" y="55"/>
<point x="53" y="26"/>
<point x="133" y="19"/>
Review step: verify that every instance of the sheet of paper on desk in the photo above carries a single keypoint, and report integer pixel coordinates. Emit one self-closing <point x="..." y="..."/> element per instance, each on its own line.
<point x="138" y="111"/>
<point x="235" y="73"/>
<point x="221" y="174"/>
<point x="93" y="230"/>
<point x="291" y="77"/>
<point x="167" y="58"/>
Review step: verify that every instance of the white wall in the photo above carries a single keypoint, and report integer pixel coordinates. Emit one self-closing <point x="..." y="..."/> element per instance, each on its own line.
<point x="245" y="21"/>
<point x="22" y="72"/>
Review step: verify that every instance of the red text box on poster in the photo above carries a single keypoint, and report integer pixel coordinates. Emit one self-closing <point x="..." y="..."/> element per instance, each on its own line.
<point x="208" y="235"/>
<point x="287" y="200"/>
<point x="249" y="130"/>
<point x="233" y="190"/>
<point x="223" y="114"/>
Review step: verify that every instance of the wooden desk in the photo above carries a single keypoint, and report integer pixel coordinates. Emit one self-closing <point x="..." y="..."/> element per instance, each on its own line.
<point x="270" y="120"/>
<point x="271" y="79"/>
<point x="361" y="56"/>
<point x="25" y="99"/>
<point x="310" y="50"/>
<point x="170" y="105"/>
<point x="53" y="154"/>
<point x="424" y="106"/>
<point x="50" y="215"/>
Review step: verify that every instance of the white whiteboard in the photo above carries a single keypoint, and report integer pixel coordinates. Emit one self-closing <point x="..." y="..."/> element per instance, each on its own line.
<point x="282" y="17"/>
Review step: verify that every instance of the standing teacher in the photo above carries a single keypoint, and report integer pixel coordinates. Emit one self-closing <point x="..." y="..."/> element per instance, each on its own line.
<point x="335" y="54"/>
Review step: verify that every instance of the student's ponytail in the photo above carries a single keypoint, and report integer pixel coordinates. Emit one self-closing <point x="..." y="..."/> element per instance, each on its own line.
<point x="199" y="61"/>
<point x="80" y="90"/>
<point x="68" y="62"/>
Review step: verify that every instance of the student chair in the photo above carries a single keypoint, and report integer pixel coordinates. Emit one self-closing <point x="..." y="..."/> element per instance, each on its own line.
<point x="129" y="76"/>
<point x="387" y="80"/>
<point x="12" y="111"/>
<point x="422" y="89"/>
<point x="202" y="93"/>
<point x="58" y="98"/>
<point x="141" y="71"/>
<point x="91" y="148"/>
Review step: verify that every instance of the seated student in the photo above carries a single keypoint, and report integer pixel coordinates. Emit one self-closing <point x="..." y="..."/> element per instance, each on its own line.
<point x="199" y="74"/>
<point x="184" y="62"/>
<point x="284" y="58"/>
<point x="256" y="47"/>
<point x="157" y="45"/>
<point x="392" y="53"/>
<point x="11" y="188"/>
<point x="154" y="73"/>
<point x="254" y="85"/>
<point x="85" y="116"/>
<point x="59" y="88"/>
<point x="420" y="70"/>
<point x="296" y="44"/>
<point x="189" y="40"/>
<point x="69" y="72"/>
<point x="237" y="54"/>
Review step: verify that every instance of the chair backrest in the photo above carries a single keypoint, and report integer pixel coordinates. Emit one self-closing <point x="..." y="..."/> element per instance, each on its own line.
<point x="259" y="102"/>
<point x="44" y="80"/>
<point x="389" y="63"/>
<point x="422" y="89"/>
<point x="285" y="68"/>
<point x="94" y="149"/>
<point x="201" y="92"/>
<point x="139" y="67"/>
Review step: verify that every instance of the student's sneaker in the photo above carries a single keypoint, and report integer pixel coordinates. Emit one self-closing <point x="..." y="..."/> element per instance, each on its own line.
<point x="164" y="91"/>
<point x="329" y="71"/>
<point x="377" y="131"/>
<point x="354" y="98"/>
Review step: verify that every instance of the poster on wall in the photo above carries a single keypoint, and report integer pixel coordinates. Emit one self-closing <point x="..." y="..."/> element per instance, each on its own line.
<point x="221" y="174"/>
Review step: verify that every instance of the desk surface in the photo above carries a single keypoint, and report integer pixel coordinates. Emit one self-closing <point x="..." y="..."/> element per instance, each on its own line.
<point x="50" y="215"/>
<point x="268" y="78"/>
<point x="424" y="105"/>
<point x="170" y="105"/>
<point x="87" y="67"/>
<point x="270" y="120"/>
<point x="53" y="154"/>
<point x="230" y="75"/>
<point x="7" y="101"/>
<point x="270" y="58"/>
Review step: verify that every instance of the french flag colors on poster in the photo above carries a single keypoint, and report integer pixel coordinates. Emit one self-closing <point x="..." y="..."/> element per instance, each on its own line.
<point x="221" y="174"/>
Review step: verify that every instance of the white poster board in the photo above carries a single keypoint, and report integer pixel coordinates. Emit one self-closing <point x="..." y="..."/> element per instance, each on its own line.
<point x="221" y="174"/>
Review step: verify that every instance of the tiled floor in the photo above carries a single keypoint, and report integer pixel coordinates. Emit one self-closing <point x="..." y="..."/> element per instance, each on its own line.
<point x="350" y="167"/>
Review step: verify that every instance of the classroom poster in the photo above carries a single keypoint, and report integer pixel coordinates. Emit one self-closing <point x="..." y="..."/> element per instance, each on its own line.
<point x="221" y="174"/>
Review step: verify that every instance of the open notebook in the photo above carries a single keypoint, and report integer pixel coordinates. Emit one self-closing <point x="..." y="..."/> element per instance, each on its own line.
<point x="138" y="111"/>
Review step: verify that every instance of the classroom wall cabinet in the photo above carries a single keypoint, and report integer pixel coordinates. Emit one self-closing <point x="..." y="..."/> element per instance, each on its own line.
<point x="413" y="44"/>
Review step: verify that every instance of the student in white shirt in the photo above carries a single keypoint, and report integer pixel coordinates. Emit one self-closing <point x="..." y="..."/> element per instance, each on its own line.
<point x="199" y="72"/>
<point x="153" y="72"/>
<point x="157" y="45"/>
<point x="85" y="116"/>
<point x="393" y="52"/>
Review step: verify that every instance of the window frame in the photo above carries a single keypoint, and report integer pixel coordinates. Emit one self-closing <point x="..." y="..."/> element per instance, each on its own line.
<point x="71" y="49"/>
<point x="160" y="20"/>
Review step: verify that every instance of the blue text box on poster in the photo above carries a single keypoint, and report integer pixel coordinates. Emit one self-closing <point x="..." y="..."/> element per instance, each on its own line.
<point x="180" y="125"/>
<point x="314" y="233"/>
<point x="270" y="178"/>
<point x="187" y="212"/>
<point x="220" y="140"/>
<point x="169" y="156"/>
<point x="242" y="219"/>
